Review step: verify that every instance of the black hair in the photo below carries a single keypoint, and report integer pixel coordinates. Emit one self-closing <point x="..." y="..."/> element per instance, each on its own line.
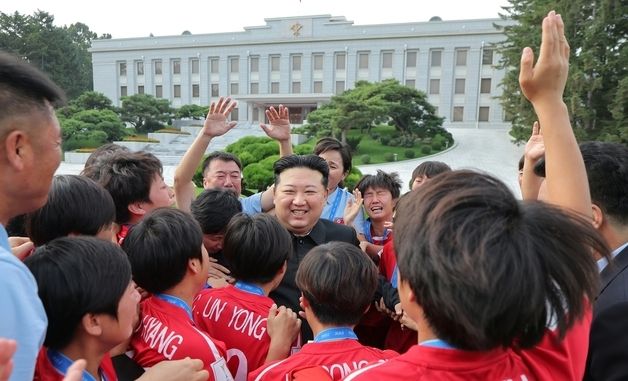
<point x="160" y="246"/>
<point x="332" y="144"/>
<point x="16" y="227"/>
<point x="256" y="247"/>
<point x="76" y="205"/>
<point x="77" y="276"/>
<point x="99" y="158"/>
<point x="489" y="272"/>
<point x="338" y="281"/>
<point x="220" y="155"/>
<point x="429" y="169"/>
<point x="214" y="208"/>
<point x="521" y="162"/>
<point x="128" y="176"/>
<point x="312" y="162"/>
<point x="389" y="181"/>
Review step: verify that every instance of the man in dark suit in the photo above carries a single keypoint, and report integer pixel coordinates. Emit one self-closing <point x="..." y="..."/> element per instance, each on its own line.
<point x="300" y="195"/>
<point x="607" y="171"/>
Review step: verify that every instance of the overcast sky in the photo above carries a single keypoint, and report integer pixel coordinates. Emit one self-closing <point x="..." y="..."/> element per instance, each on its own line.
<point x="139" y="18"/>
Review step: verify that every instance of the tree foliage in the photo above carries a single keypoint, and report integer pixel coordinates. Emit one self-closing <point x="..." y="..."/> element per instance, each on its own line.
<point x="191" y="112"/>
<point x="145" y="112"/>
<point x="597" y="91"/>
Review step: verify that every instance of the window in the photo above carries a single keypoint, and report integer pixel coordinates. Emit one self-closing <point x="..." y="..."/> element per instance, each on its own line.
<point x="274" y="63"/>
<point x="485" y="86"/>
<point x="435" y="58"/>
<point x="215" y="90"/>
<point x="340" y="61"/>
<point x="140" y="89"/>
<point x="411" y="59"/>
<point x="254" y="64"/>
<point x="159" y="91"/>
<point x="158" y="70"/>
<point x="483" y="114"/>
<point x="122" y="66"/>
<point x="140" y="67"/>
<point x="176" y="67"/>
<point x="363" y="61"/>
<point x="318" y="62"/>
<point x="255" y="114"/>
<point x="234" y="65"/>
<point x="296" y="87"/>
<point x="340" y="87"/>
<point x="434" y="86"/>
<point x="387" y="60"/>
<point x="296" y="63"/>
<point x="410" y="83"/>
<point x="213" y="65"/>
<point x="177" y="91"/>
<point x="195" y="91"/>
<point x="122" y="91"/>
<point x="254" y="88"/>
<point x="234" y="88"/>
<point x="274" y="87"/>
<point x="487" y="57"/>
<point x="459" y="86"/>
<point x="458" y="113"/>
<point x="318" y="87"/>
<point x="235" y="113"/>
<point x="461" y="57"/>
<point x="194" y="66"/>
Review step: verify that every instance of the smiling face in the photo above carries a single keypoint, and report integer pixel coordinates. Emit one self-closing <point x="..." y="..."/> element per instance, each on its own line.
<point x="378" y="203"/>
<point x="299" y="199"/>
<point x="223" y="174"/>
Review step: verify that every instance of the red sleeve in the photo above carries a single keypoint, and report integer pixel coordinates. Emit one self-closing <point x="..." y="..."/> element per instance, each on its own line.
<point x="388" y="260"/>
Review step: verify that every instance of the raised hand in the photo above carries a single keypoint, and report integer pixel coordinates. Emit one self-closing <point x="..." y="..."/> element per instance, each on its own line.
<point x="282" y="326"/>
<point x="216" y="122"/>
<point x="352" y="208"/>
<point x="535" y="147"/>
<point x="279" y="128"/>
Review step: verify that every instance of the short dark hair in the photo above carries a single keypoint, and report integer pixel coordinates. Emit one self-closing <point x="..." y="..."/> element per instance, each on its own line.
<point x="256" y="247"/>
<point x="76" y="205"/>
<point x="389" y="181"/>
<point x="332" y="144"/>
<point x="76" y="276"/>
<point x="214" y="208"/>
<point x="98" y="159"/>
<point x="518" y="264"/>
<point x="339" y="281"/>
<point x="522" y="160"/>
<point x="220" y="155"/>
<point x="429" y="169"/>
<point x="24" y="89"/>
<point x="160" y="246"/>
<point x="128" y="176"/>
<point x="312" y="162"/>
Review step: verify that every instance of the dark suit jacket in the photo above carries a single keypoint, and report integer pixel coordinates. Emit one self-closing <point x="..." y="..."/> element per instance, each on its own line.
<point x="287" y="294"/>
<point x="608" y="347"/>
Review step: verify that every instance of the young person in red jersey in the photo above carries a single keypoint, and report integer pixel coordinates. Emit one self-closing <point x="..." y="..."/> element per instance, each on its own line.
<point x="337" y="282"/>
<point x="167" y="259"/>
<point x="242" y="316"/>
<point x="91" y="303"/>
<point x="501" y="290"/>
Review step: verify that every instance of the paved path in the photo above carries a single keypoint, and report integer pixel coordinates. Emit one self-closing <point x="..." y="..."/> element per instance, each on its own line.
<point x="487" y="150"/>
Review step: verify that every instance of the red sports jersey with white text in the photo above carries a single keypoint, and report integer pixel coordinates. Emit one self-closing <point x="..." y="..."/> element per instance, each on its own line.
<point x="338" y="358"/>
<point x="167" y="333"/>
<point x="238" y="319"/>
<point x="549" y="360"/>
<point x="45" y="371"/>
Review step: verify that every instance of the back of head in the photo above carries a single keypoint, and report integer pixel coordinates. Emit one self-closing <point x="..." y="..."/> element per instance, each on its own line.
<point x="99" y="158"/>
<point x="388" y="181"/>
<point x="332" y="144"/>
<point x="76" y="205"/>
<point x="160" y="246"/>
<point x="128" y="176"/>
<point x="214" y="208"/>
<point x="607" y="171"/>
<point x="338" y="280"/>
<point x="257" y="247"/>
<point x="430" y="169"/>
<point x="311" y="162"/>
<point x="487" y="271"/>
<point x="77" y="276"/>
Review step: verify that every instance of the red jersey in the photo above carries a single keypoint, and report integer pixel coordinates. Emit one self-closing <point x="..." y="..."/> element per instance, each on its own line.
<point x="167" y="332"/>
<point x="237" y="318"/>
<point x="45" y="370"/>
<point x="338" y="358"/>
<point x="551" y="359"/>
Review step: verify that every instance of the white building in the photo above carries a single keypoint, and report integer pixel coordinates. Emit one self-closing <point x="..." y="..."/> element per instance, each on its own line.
<point x="302" y="61"/>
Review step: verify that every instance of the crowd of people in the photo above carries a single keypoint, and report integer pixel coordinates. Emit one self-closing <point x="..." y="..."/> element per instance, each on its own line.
<point x="111" y="275"/>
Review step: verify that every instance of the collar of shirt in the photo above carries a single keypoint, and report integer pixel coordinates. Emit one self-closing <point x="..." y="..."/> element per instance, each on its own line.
<point x="317" y="234"/>
<point x="602" y="262"/>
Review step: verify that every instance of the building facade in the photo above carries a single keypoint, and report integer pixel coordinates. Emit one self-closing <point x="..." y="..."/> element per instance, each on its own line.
<point x="301" y="62"/>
